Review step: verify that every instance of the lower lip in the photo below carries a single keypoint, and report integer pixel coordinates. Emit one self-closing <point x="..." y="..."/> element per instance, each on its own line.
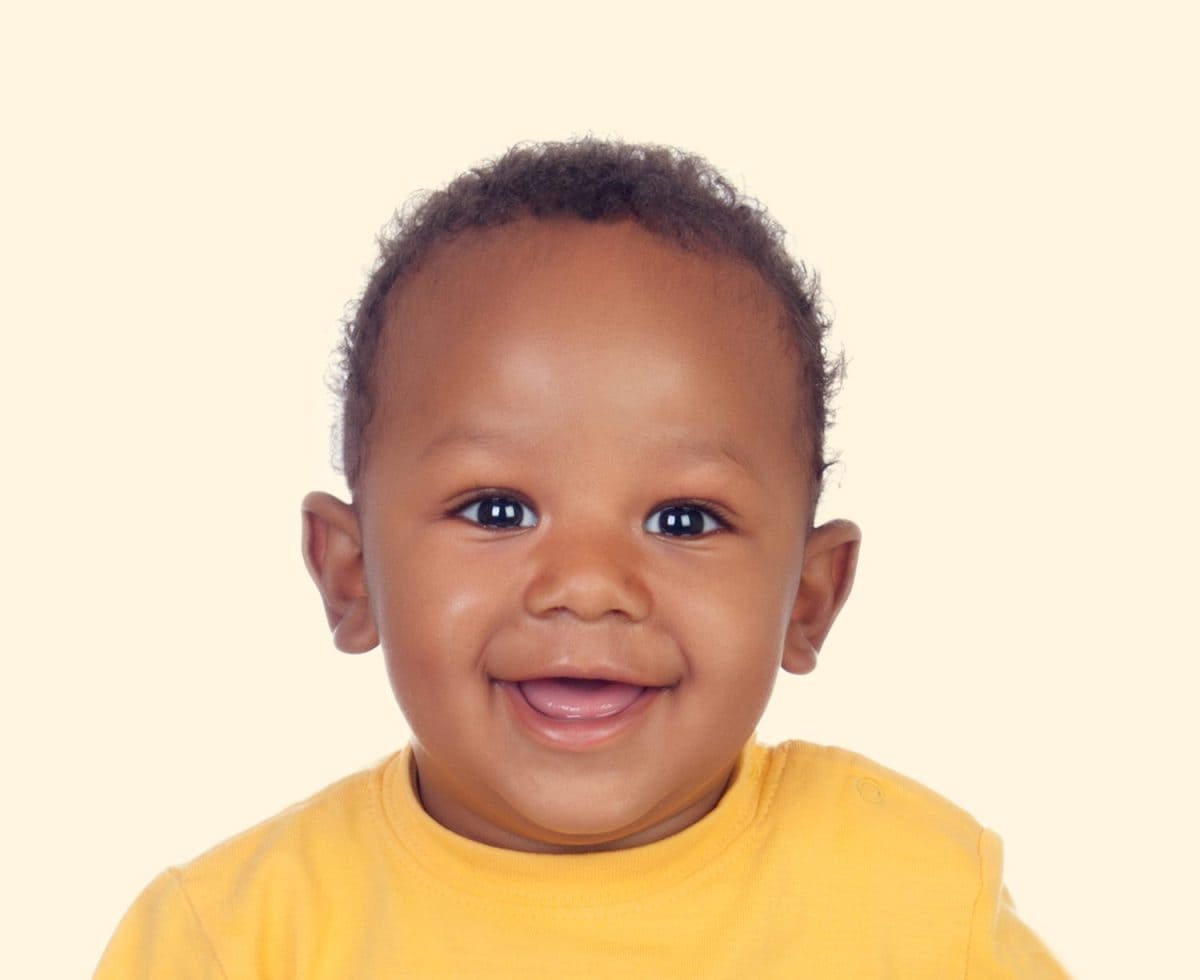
<point x="577" y="733"/>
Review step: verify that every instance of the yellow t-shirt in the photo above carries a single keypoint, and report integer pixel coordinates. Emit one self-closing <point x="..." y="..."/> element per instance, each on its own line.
<point x="815" y="863"/>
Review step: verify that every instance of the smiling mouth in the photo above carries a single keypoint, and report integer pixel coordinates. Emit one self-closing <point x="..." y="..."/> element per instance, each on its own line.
<point x="578" y="698"/>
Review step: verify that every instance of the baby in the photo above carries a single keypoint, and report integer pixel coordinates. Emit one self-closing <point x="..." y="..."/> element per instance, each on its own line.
<point x="585" y="400"/>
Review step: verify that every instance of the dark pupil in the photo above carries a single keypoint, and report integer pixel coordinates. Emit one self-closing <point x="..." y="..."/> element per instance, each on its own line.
<point x="681" y="520"/>
<point x="500" y="512"/>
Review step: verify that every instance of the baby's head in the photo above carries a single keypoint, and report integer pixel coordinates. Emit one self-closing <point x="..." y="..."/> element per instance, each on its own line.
<point x="675" y="196"/>
<point x="585" y="402"/>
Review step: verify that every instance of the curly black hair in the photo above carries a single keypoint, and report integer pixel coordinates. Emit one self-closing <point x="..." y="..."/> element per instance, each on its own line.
<point x="670" y="193"/>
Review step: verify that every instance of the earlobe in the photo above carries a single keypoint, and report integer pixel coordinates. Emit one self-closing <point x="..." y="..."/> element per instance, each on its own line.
<point x="332" y="548"/>
<point x="799" y="654"/>
<point x="830" y="559"/>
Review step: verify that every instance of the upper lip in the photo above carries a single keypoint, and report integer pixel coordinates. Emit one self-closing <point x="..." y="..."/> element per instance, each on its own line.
<point x="516" y="657"/>
<point x="583" y="673"/>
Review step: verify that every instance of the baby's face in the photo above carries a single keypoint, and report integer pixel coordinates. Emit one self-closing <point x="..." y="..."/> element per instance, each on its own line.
<point x="583" y="515"/>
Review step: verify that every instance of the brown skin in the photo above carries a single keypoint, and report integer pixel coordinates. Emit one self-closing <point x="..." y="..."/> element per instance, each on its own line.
<point x="595" y="350"/>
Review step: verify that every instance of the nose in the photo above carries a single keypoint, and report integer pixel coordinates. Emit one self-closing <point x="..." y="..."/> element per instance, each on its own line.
<point x="588" y="574"/>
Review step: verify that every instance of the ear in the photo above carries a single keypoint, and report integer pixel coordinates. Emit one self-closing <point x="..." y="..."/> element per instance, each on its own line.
<point x="332" y="546"/>
<point x="830" y="558"/>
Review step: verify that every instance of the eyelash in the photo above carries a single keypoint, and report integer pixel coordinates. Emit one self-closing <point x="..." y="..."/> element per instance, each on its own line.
<point x="706" y="507"/>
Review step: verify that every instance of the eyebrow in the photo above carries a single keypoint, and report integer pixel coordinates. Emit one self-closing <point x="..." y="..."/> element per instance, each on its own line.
<point x="706" y="450"/>
<point x="703" y="450"/>
<point x="464" y="436"/>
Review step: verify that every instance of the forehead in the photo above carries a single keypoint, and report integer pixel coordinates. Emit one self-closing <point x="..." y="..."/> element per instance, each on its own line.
<point x="560" y="323"/>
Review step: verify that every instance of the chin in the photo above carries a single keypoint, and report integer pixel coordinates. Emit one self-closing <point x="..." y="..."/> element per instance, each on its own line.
<point x="589" y="823"/>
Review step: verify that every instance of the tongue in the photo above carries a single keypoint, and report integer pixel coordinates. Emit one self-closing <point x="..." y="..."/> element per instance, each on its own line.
<point x="565" y="697"/>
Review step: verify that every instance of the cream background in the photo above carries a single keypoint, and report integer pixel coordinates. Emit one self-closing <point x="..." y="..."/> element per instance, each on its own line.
<point x="1002" y="204"/>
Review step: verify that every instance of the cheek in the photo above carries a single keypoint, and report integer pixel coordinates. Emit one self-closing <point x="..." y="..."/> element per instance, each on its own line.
<point x="436" y="608"/>
<point x="734" y="634"/>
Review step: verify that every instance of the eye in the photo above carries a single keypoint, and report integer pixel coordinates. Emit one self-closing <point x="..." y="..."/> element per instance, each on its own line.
<point x="682" y="520"/>
<point x="498" y="513"/>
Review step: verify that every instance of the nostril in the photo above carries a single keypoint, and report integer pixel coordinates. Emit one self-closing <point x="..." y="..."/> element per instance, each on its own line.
<point x="574" y="576"/>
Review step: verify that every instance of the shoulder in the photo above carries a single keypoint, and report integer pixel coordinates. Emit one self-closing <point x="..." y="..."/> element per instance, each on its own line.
<point x="847" y="779"/>
<point x="270" y="879"/>
<point x="866" y="810"/>
<point x="335" y="817"/>
<point x="251" y="900"/>
<point x="879" y="855"/>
